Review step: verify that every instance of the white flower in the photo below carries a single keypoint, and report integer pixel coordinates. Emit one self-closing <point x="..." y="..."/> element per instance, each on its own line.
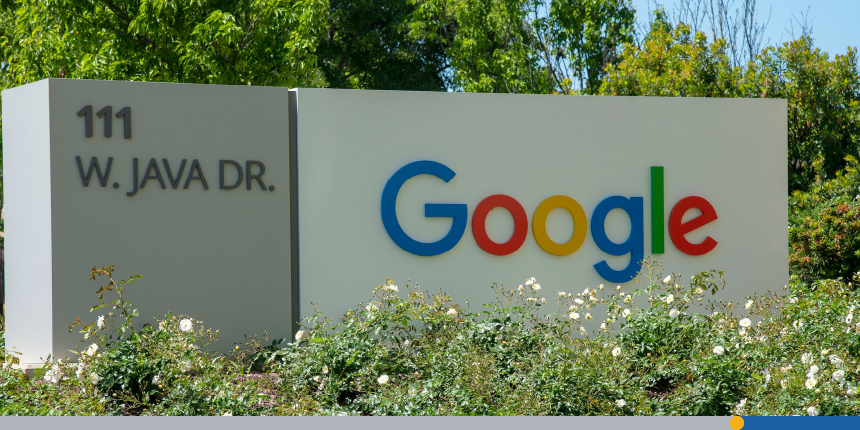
<point x="798" y="324"/>
<point x="543" y="300"/>
<point x="620" y="403"/>
<point x="739" y="408"/>
<point x="625" y="312"/>
<point x="531" y="299"/>
<point x="325" y="369"/>
<point x="839" y="375"/>
<point x="851" y="391"/>
<point x="54" y="374"/>
<point x="767" y="378"/>
<point x="812" y="411"/>
<point x="745" y="323"/>
<point x="806" y="357"/>
<point x="156" y="379"/>
<point x="186" y="325"/>
<point x="79" y="372"/>
<point x="670" y="298"/>
<point x="536" y="287"/>
<point x="579" y="301"/>
<point x="719" y="350"/>
<point x="574" y="316"/>
<point x="742" y="332"/>
<point x="530" y="281"/>
<point x="674" y="313"/>
<point x="185" y="366"/>
<point x="603" y="326"/>
<point x="86" y="336"/>
<point x="618" y="288"/>
<point x="582" y="331"/>
<point x="317" y="378"/>
<point x="783" y="384"/>
<point x="572" y="308"/>
<point x="301" y="335"/>
<point x="227" y="414"/>
<point x="810" y="383"/>
<point x="452" y="312"/>
<point x="812" y="371"/>
<point x="562" y="294"/>
<point x="372" y="306"/>
<point x="787" y="368"/>
<point x="101" y="322"/>
<point x="836" y="361"/>
<point x="616" y="351"/>
<point x="792" y="300"/>
<point x="586" y="291"/>
<point x="520" y="288"/>
<point x="382" y="380"/>
<point x="592" y="299"/>
<point x="95" y="378"/>
<point x="667" y="279"/>
<point x="749" y="304"/>
<point x="849" y="318"/>
<point x="91" y="350"/>
<point x="588" y="316"/>
<point x="601" y="286"/>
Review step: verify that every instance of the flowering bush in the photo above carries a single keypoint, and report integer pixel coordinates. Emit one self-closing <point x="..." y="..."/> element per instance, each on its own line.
<point x="823" y="228"/>
<point x="661" y="349"/>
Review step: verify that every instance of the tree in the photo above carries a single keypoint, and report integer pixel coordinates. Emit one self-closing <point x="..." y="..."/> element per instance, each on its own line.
<point x="823" y="106"/>
<point x="526" y="46"/>
<point x="367" y="45"/>
<point x="259" y="42"/>
<point x="673" y="62"/>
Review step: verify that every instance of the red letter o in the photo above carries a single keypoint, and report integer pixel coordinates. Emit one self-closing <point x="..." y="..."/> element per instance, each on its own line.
<point x="479" y="219"/>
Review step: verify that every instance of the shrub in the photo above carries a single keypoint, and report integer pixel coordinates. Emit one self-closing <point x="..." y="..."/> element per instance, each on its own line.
<point x="662" y="349"/>
<point x="824" y="228"/>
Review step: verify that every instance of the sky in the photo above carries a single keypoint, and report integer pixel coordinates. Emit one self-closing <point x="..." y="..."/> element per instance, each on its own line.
<point x="834" y="22"/>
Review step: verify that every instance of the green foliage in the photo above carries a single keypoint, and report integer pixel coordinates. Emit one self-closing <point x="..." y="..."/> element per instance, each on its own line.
<point x="368" y="45"/>
<point x="674" y="63"/>
<point x="823" y="228"/>
<point x="662" y="349"/>
<point x="260" y="42"/>
<point x="823" y="105"/>
<point x="525" y="46"/>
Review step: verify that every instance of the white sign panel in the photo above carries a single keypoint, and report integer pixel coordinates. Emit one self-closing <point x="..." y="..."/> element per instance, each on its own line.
<point x="460" y="191"/>
<point x="187" y="185"/>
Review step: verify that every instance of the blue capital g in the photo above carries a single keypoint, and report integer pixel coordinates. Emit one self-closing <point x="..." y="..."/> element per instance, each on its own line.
<point x="389" y="214"/>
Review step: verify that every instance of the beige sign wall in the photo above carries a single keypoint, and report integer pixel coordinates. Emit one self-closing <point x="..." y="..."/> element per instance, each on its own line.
<point x="209" y="245"/>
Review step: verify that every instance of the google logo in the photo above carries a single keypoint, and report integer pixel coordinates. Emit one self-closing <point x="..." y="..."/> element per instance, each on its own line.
<point x="632" y="206"/>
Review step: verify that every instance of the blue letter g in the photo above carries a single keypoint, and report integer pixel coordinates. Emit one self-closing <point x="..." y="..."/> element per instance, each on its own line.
<point x="389" y="214"/>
